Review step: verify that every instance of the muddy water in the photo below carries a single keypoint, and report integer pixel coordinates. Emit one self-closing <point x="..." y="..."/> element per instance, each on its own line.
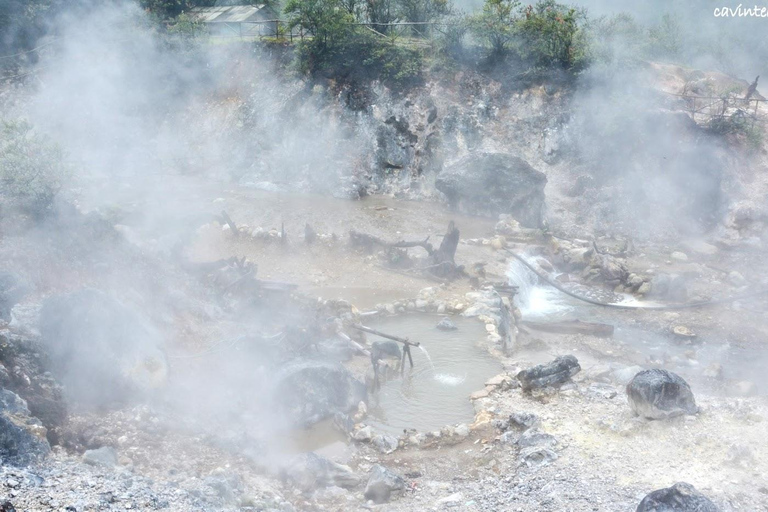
<point x="436" y="394"/>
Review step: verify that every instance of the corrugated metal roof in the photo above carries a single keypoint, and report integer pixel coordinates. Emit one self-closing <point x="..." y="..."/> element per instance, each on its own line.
<point x="232" y="14"/>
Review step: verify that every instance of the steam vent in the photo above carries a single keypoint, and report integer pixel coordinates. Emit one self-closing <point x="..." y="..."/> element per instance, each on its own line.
<point x="325" y="255"/>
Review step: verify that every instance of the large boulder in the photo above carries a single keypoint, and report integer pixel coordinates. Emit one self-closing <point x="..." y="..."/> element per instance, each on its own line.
<point x="681" y="497"/>
<point x="101" y="350"/>
<point x="22" y="436"/>
<point x="309" y="471"/>
<point x="552" y="374"/>
<point x="312" y="391"/>
<point x="493" y="184"/>
<point x="660" y="394"/>
<point x="382" y="484"/>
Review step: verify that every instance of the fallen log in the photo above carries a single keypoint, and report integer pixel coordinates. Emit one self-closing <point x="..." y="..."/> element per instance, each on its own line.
<point x="571" y="327"/>
<point x="225" y="219"/>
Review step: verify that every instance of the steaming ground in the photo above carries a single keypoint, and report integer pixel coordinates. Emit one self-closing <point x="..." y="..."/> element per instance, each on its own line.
<point x="158" y="159"/>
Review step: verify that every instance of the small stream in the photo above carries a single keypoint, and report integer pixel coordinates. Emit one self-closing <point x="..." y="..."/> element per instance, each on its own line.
<point x="433" y="394"/>
<point x="541" y="302"/>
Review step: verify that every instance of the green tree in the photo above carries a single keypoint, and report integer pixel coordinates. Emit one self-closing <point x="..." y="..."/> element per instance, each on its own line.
<point x="549" y="34"/>
<point x="495" y="25"/>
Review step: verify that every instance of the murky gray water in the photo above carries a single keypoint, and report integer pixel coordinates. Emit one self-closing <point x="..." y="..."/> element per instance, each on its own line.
<point x="428" y="398"/>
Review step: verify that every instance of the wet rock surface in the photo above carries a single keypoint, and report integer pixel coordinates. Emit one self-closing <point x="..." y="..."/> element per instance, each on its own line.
<point x="553" y="374"/>
<point x="495" y="183"/>
<point x="383" y="485"/>
<point x="12" y="289"/>
<point x="681" y="497"/>
<point x="308" y="392"/>
<point x="445" y="324"/>
<point x="660" y="394"/>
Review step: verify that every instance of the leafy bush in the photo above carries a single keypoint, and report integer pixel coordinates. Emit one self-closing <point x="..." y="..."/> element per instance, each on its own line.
<point x="546" y="34"/>
<point x="32" y="169"/>
<point x="550" y="35"/>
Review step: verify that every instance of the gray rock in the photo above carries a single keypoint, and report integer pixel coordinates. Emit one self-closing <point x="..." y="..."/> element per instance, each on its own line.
<point x="523" y="420"/>
<point x="494" y="183"/>
<point x="446" y="325"/>
<point x="552" y="374"/>
<point x="659" y="394"/>
<point x="385" y="443"/>
<point x="681" y="497"/>
<point x="537" y="456"/>
<point x="105" y="456"/>
<point x="310" y="471"/>
<point x="385" y="350"/>
<point x="22" y="437"/>
<point x="535" y="437"/>
<point x="312" y="391"/>
<point x="383" y="484"/>
<point x="102" y="351"/>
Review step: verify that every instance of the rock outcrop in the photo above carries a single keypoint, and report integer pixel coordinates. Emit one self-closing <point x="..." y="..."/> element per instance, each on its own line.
<point x="681" y="497"/>
<point x="312" y="391"/>
<point x="493" y="184"/>
<point x="552" y="374"/>
<point x="660" y="394"/>
<point x="22" y="436"/>
<point x="383" y="484"/>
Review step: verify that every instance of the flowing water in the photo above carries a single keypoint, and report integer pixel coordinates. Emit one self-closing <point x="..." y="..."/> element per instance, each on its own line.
<point x="435" y="393"/>
<point x="538" y="301"/>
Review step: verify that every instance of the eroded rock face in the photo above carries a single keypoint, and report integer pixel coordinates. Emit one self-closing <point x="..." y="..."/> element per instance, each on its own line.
<point x="101" y="350"/>
<point x="312" y="391"/>
<point x="310" y="471"/>
<point x="22" y="437"/>
<point x="552" y="374"/>
<point x="660" y="394"/>
<point x="493" y="184"/>
<point x="383" y="484"/>
<point x="681" y="497"/>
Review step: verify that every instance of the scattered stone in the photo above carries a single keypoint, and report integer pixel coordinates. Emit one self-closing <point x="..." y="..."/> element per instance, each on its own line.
<point x="552" y="374"/>
<point x="742" y="388"/>
<point x="446" y="325"/>
<point x="498" y="381"/>
<point x="383" y="484"/>
<point x="681" y="497"/>
<point x="364" y="435"/>
<point x="482" y="393"/>
<point x="22" y="437"/>
<point x="509" y="438"/>
<point x="683" y="331"/>
<point x="105" y="456"/>
<point x="679" y="256"/>
<point x="660" y="394"/>
<point x="12" y="290"/>
<point x="385" y="443"/>
<point x="523" y="420"/>
<point x="537" y="456"/>
<point x="535" y="437"/>
<point x="714" y="371"/>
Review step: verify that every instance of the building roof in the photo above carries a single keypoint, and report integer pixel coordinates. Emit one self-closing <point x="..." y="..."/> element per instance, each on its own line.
<point x="231" y="14"/>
